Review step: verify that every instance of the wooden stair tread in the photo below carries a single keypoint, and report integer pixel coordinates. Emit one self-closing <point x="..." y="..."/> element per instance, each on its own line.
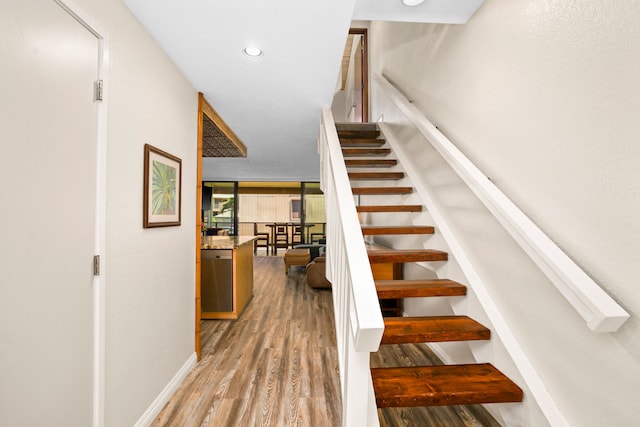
<point x="367" y="163"/>
<point x="354" y="152"/>
<point x="376" y="175"/>
<point x="370" y="133"/>
<point x="361" y="142"/>
<point x="389" y="208"/>
<point x="376" y="230"/>
<point x="390" y="289"/>
<point x="443" y="385"/>
<point x="381" y="190"/>
<point x="401" y="330"/>
<point x="378" y="256"/>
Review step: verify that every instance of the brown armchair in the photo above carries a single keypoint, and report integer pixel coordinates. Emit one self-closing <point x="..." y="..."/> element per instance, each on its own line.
<point x="316" y="274"/>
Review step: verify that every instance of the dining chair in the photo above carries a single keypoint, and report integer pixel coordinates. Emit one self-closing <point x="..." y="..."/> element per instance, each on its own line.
<point x="263" y="240"/>
<point x="296" y="235"/>
<point x="281" y="237"/>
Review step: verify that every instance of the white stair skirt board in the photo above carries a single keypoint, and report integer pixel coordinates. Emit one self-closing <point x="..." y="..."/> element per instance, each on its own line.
<point x="156" y="406"/>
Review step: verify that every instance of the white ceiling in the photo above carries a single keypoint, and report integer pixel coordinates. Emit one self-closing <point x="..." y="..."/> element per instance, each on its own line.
<point x="272" y="103"/>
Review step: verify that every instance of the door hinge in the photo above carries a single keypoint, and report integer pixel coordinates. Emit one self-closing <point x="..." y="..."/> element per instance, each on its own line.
<point x="96" y="265"/>
<point x="97" y="88"/>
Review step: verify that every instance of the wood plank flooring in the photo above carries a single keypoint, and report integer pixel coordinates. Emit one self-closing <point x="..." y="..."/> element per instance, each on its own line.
<point x="277" y="365"/>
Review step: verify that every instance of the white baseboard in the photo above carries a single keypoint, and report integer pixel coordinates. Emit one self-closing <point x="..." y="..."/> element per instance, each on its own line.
<point x="152" y="412"/>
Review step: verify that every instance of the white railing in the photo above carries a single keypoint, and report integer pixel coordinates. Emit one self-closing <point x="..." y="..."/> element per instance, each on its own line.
<point x="358" y="318"/>
<point x="600" y="311"/>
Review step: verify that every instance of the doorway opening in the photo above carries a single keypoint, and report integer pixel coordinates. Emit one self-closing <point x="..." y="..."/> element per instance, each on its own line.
<point x="351" y="102"/>
<point x="244" y="208"/>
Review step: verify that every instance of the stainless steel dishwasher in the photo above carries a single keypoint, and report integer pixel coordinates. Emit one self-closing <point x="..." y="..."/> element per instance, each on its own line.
<point x="217" y="280"/>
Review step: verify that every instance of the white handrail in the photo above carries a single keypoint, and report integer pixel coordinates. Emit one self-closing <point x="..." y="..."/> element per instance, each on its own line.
<point x="600" y="311"/>
<point x="359" y="324"/>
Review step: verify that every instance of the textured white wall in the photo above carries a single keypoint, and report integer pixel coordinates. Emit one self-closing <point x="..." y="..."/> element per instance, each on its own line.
<point x="544" y="97"/>
<point x="150" y="277"/>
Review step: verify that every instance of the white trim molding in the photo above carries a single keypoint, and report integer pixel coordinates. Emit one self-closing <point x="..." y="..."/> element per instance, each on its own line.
<point x="99" y="281"/>
<point x="156" y="406"/>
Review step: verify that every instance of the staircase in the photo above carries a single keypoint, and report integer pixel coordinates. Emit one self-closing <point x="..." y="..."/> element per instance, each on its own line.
<point x="411" y="386"/>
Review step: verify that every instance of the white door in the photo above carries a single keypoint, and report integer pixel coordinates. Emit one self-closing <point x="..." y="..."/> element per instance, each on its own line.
<point x="48" y="65"/>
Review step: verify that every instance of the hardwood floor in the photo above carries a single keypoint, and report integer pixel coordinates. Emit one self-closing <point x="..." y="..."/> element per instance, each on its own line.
<point x="277" y="365"/>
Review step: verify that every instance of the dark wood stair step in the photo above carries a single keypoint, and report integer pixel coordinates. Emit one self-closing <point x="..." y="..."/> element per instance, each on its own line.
<point x="370" y="163"/>
<point x="357" y="152"/>
<point x="362" y="142"/>
<point x="402" y="330"/>
<point x="377" y="230"/>
<point x="443" y="385"/>
<point x="370" y="133"/>
<point x="381" y="190"/>
<point x="391" y="289"/>
<point x="379" y="256"/>
<point x="376" y="175"/>
<point x="389" y="208"/>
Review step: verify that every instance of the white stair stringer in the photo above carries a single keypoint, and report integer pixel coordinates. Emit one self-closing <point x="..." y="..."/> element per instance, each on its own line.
<point x="525" y="374"/>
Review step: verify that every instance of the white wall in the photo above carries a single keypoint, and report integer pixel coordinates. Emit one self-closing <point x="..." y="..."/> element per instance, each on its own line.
<point x="150" y="275"/>
<point x="544" y="98"/>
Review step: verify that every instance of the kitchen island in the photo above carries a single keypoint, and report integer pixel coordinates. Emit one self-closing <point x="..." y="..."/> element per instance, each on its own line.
<point x="226" y="276"/>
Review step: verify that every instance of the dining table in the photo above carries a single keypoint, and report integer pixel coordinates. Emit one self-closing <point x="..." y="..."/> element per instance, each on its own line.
<point x="290" y="225"/>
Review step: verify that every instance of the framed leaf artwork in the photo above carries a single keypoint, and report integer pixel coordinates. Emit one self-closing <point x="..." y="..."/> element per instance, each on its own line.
<point x="162" y="188"/>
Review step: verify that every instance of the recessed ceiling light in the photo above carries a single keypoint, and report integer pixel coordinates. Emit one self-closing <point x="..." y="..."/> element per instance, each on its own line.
<point x="252" y="52"/>
<point x="412" y="2"/>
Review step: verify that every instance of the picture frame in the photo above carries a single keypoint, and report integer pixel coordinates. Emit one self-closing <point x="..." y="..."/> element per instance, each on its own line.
<point x="162" y="190"/>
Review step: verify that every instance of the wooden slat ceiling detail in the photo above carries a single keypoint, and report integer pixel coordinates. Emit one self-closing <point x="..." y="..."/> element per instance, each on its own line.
<point x="218" y="140"/>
